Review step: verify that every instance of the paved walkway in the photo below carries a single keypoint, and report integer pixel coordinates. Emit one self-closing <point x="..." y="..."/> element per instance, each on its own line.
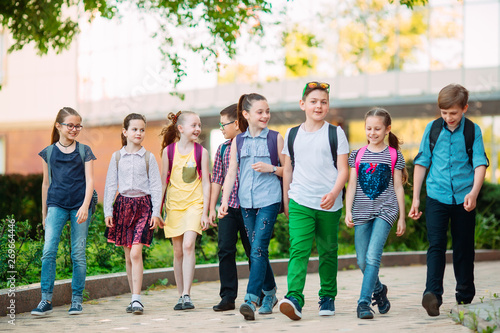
<point x="405" y="291"/>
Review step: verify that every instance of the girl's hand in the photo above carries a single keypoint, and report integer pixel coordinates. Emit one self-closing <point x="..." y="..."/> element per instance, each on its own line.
<point x="262" y="167"/>
<point x="109" y="221"/>
<point x="211" y="217"/>
<point x="401" y="227"/>
<point x="155" y="222"/>
<point x="44" y="216"/>
<point x="327" y="201"/>
<point x="82" y="214"/>
<point x="414" y="212"/>
<point x="205" y="223"/>
<point x="223" y="210"/>
<point x="348" y="220"/>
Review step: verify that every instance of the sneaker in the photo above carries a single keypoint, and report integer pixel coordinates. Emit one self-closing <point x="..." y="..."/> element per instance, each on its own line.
<point x="180" y="304"/>
<point x="187" y="305"/>
<point x="137" y="308"/>
<point x="268" y="303"/>
<point x="365" y="311"/>
<point x="431" y="304"/>
<point x="43" y="308"/>
<point x="224" y="305"/>
<point x="247" y="309"/>
<point x="129" y="308"/>
<point x="380" y="299"/>
<point x="326" y="306"/>
<point x="290" y="307"/>
<point x="75" y="309"/>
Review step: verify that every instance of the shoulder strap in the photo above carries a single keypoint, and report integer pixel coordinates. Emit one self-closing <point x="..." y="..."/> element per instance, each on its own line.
<point x="359" y="155"/>
<point x="170" y="155"/>
<point x="239" y="144"/>
<point x="332" y="136"/>
<point x="394" y="158"/>
<point x="469" y="134"/>
<point x="147" y="156"/>
<point x="292" y="134"/>
<point x="198" y="151"/>
<point x="117" y="158"/>
<point x="49" y="153"/>
<point x="434" y="133"/>
<point x="272" y="145"/>
<point x="81" y="150"/>
<point x="223" y="148"/>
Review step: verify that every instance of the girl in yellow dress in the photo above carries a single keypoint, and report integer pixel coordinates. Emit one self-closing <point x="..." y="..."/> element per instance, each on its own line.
<point x="185" y="176"/>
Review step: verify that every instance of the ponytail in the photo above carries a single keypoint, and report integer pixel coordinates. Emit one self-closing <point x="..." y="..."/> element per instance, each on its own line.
<point x="171" y="132"/>
<point x="395" y="143"/>
<point x="61" y="115"/>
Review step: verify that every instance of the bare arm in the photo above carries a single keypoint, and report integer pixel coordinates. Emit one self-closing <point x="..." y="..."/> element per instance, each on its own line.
<point x="229" y="180"/>
<point x="470" y="199"/>
<point x="264" y="167"/>
<point x="83" y="212"/>
<point x="328" y="200"/>
<point x="418" y="179"/>
<point x="349" y="198"/>
<point x="205" y="183"/>
<point x="214" y="195"/>
<point x="400" y="195"/>
<point x="45" y="189"/>
<point x="287" y="180"/>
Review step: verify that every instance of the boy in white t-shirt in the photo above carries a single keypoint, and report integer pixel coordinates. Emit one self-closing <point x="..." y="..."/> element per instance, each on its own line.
<point x="314" y="176"/>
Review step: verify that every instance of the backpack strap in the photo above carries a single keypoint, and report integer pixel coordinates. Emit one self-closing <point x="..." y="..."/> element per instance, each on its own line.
<point x="272" y="145"/>
<point x="49" y="153"/>
<point x="223" y="148"/>
<point x="359" y="155"/>
<point x="146" y="158"/>
<point x="198" y="151"/>
<point x="469" y="134"/>
<point x="117" y="158"/>
<point x="434" y="133"/>
<point x="332" y="136"/>
<point x="292" y="134"/>
<point x="170" y="155"/>
<point x="394" y="158"/>
<point x="239" y="144"/>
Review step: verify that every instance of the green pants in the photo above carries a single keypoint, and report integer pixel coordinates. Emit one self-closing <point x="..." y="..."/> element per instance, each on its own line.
<point x="306" y="223"/>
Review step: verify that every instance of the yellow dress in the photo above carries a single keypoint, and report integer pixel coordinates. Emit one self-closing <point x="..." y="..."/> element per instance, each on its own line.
<point x="184" y="204"/>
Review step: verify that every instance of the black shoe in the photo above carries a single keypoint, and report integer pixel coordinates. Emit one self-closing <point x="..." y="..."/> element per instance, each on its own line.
<point x="43" y="308"/>
<point x="380" y="299"/>
<point x="137" y="308"/>
<point x="364" y="311"/>
<point x="431" y="304"/>
<point x="224" y="306"/>
<point x="188" y="304"/>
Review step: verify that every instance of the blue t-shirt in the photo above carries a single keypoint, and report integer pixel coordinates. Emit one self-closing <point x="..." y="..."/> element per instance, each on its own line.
<point x="451" y="176"/>
<point x="67" y="189"/>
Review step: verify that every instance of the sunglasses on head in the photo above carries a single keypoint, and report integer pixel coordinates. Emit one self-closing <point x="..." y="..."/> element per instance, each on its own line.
<point x="316" y="85"/>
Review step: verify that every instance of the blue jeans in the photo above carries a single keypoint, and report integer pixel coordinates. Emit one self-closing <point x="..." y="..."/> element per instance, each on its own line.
<point x="259" y="225"/>
<point x="54" y="224"/>
<point x="369" y="239"/>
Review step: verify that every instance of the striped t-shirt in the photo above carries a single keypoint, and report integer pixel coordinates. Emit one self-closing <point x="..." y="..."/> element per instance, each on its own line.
<point x="375" y="196"/>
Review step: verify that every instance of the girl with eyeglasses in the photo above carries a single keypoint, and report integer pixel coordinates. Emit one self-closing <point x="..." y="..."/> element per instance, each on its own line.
<point x="257" y="153"/>
<point x="67" y="188"/>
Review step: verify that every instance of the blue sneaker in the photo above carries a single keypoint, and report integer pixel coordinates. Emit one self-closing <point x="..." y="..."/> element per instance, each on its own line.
<point x="380" y="299"/>
<point x="290" y="307"/>
<point x="364" y="311"/>
<point x="247" y="309"/>
<point x="75" y="309"/>
<point x="268" y="302"/>
<point x="326" y="306"/>
<point x="43" y="308"/>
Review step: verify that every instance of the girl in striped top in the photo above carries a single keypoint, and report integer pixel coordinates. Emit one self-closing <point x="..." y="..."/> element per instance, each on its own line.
<point x="374" y="201"/>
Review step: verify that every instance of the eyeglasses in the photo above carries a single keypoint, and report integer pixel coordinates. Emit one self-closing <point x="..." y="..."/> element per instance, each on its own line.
<point x="316" y="85"/>
<point x="73" y="126"/>
<point x="221" y="126"/>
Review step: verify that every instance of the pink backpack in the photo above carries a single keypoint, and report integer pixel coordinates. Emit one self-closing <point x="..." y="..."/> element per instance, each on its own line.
<point x="361" y="152"/>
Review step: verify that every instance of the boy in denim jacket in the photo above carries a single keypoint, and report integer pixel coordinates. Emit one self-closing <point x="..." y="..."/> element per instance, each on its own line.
<point x="453" y="184"/>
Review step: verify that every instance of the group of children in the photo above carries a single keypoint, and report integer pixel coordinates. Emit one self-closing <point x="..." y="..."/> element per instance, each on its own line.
<point x="260" y="175"/>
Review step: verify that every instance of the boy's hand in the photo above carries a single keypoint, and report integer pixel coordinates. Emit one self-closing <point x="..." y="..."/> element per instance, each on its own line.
<point x="262" y="167"/>
<point x="327" y="201"/>
<point x="414" y="212"/>
<point x="109" y="221"/>
<point x="222" y="210"/>
<point x="470" y="201"/>
<point x="211" y="217"/>
<point x="401" y="227"/>
<point x="348" y="220"/>
<point x="155" y="222"/>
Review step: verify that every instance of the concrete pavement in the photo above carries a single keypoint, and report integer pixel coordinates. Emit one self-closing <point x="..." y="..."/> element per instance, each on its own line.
<point x="405" y="291"/>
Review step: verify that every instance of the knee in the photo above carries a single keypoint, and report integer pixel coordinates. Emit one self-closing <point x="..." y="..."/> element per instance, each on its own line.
<point x="188" y="248"/>
<point x="135" y="256"/>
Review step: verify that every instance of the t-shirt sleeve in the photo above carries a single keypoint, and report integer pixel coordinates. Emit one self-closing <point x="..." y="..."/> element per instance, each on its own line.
<point x="424" y="156"/>
<point x="43" y="154"/>
<point x="343" y="145"/>
<point x="89" y="155"/>
<point x="352" y="158"/>
<point x="400" y="163"/>
<point x="285" y="144"/>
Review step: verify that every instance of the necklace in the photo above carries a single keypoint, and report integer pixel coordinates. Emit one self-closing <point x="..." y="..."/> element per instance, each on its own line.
<point x="67" y="145"/>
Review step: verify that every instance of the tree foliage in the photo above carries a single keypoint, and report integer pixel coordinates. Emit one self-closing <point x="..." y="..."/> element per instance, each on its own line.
<point x="213" y="25"/>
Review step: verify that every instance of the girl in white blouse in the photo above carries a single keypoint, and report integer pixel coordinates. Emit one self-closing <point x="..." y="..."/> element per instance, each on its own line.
<point x="135" y="213"/>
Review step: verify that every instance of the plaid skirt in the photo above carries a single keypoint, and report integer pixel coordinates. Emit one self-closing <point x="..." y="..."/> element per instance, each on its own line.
<point x="131" y="217"/>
